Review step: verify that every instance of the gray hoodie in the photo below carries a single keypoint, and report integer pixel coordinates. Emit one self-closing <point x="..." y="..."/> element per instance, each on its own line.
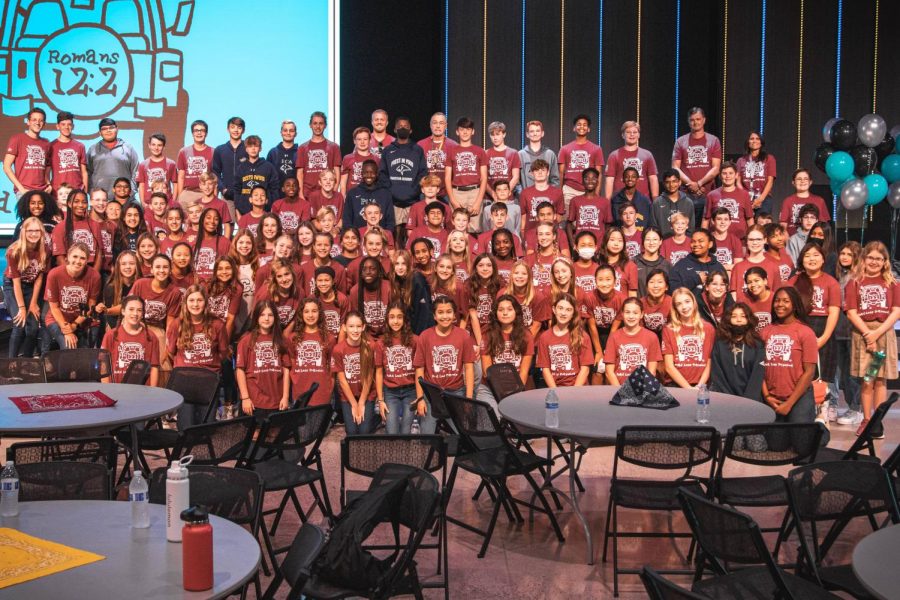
<point x="105" y="165"/>
<point x="526" y="156"/>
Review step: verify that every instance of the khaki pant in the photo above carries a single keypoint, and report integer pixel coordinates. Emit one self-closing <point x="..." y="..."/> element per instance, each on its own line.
<point x="188" y="197"/>
<point x="466" y="199"/>
<point x="569" y="193"/>
<point x="401" y="215"/>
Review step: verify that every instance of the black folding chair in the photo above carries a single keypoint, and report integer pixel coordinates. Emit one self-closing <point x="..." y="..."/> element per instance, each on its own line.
<point x="656" y="450"/>
<point x="302" y="401"/>
<point x="728" y="538"/>
<point x="865" y="441"/>
<point x="490" y="455"/>
<point x="51" y="469"/>
<point x="137" y="373"/>
<point x="298" y="563"/>
<point x="21" y="370"/>
<point x="831" y="495"/>
<point x="77" y="364"/>
<point x="660" y="588"/>
<point x="364" y="454"/>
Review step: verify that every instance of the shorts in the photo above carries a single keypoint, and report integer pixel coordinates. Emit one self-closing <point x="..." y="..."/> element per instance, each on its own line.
<point x="401" y="215"/>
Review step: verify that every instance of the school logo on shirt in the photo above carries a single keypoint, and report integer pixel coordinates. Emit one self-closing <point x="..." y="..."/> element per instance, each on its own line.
<point x="527" y="319"/>
<point x="72" y="296"/>
<point x="784" y="271"/>
<point x="205" y="259"/>
<point x="618" y="285"/>
<point x="466" y="162"/>
<point x="84" y="236"/>
<point x="332" y="321"/>
<point x="155" y="174"/>
<point x="632" y="248"/>
<point x="633" y="162"/>
<point x="249" y="286"/>
<point x="309" y="354"/>
<point x="586" y="282"/>
<point x="289" y="220"/>
<point x="579" y="160"/>
<point x="764" y="320"/>
<point x="654" y="321"/>
<point x="732" y="206"/>
<point x="690" y="347"/>
<point x="106" y="240"/>
<point x="677" y="255"/>
<point x="68" y="158"/>
<point x="631" y="356"/>
<point x="497" y="166"/>
<point x="218" y="306"/>
<point x="374" y="311"/>
<point x="604" y="316"/>
<point x="444" y="358"/>
<point x="30" y="272"/>
<point x="265" y="355"/>
<point x="795" y="213"/>
<point x="351" y="366"/>
<point x="398" y="358"/>
<point x="754" y="169"/>
<point x="285" y="314"/>
<point x="537" y="200"/>
<point x="723" y="255"/>
<point x="508" y="355"/>
<point x="484" y="307"/>
<point x="435" y="159"/>
<point x="201" y="349"/>
<point x="872" y="296"/>
<point x="154" y="310"/>
<point x="196" y="165"/>
<point x="696" y="155"/>
<point x="317" y="159"/>
<point x="818" y="297"/>
<point x="437" y="246"/>
<point x="540" y="274"/>
<point x="588" y="215"/>
<point x="778" y="349"/>
<point x="560" y="357"/>
<point x="35" y="156"/>
<point x="128" y="352"/>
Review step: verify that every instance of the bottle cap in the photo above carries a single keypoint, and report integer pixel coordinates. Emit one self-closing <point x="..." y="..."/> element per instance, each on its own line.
<point x="195" y="515"/>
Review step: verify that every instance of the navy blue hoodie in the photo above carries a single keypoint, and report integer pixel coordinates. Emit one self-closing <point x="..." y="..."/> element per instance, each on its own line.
<point x="249" y="175"/>
<point x="225" y="162"/>
<point x="360" y="196"/>
<point x="402" y="168"/>
<point x="284" y="160"/>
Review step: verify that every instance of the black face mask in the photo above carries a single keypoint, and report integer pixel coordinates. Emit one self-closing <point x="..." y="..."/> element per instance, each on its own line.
<point x="403" y="133"/>
<point x="740" y="329"/>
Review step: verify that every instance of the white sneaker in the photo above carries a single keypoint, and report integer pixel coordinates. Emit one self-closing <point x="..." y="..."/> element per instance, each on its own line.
<point x="851" y="417"/>
<point x="832" y="413"/>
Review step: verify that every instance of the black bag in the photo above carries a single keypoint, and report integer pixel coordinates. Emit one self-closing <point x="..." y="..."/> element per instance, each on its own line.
<point x="344" y="562"/>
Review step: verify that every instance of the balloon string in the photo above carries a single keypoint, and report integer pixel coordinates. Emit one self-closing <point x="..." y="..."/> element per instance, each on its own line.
<point x="862" y="229"/>
<point x="895" y="217"/>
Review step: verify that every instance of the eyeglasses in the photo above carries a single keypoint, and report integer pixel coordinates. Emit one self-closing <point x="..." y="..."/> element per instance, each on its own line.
<point x="756" y="239"/>
<point x="108" y="128"/>
<point x="199" y="130"/>
<point x="879" y="259"/>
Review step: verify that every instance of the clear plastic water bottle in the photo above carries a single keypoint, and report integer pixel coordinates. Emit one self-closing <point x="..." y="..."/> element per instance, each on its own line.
<point x="702" y="404"/>
<point x="9" y="491"/>
<point x="874" y="365"/>
<point x="551" y="409"/>
<point x="414" y="428"/>
<point x="139" y="496"/>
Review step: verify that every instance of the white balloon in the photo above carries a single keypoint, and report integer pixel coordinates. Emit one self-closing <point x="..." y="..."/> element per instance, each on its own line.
<point x="893" y="196"/>
<point x="854" y="194"/>
<point x="871" y="130"/>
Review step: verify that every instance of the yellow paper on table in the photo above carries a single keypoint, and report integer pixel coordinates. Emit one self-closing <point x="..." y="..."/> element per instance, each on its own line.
<point x="24" y="557"/>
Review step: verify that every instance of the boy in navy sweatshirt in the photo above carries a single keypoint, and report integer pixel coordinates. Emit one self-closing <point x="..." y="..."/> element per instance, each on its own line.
<point x="254" y="172"/>
<point x="369" y="191"/>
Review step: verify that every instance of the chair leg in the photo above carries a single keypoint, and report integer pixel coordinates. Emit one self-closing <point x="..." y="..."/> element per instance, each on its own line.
<point x="490" y="530"/>
<point x="609" y="509"/>
<point x="546" y="506"/>
<point x="326" y="502"/>
<point x="278" y="512"/>
<point x="783" y="532"/>
<point x="615" y="536"/>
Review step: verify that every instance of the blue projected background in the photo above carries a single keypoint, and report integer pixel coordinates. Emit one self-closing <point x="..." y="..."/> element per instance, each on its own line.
<point x="157" y="65"/>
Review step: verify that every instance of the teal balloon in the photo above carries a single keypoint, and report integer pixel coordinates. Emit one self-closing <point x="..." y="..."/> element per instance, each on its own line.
<point x="839" y="166"/>
<point x="890" y="167"/>
<point x="878" y="188"/>
<point x="836" y="187"/>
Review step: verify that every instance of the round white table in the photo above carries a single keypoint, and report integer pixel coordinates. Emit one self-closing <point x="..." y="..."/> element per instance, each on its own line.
<point x="139" y="563"/>
<point x="875" y="562"/>
<point x="586" y="417"/>
<point x="134" y="404"/>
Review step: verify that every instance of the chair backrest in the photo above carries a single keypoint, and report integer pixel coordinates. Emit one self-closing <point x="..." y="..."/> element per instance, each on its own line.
<point x="477" y="423"/>
<point x="77" y="364"/>
<point x="216" y="442"/>
<point x="100" y="450"/>
<point x="197" y="385"/>
<point x="137" y="373"/>
<point x="299" y="429"/>
<point x="660" y="588"/>
<point x="303" y="399"/>
<point x="21" y="370"/>
<point x="64" y="480"/>
<point x="433" y="393"/>
<point x="504" y="380"/>
<point x="233" y="494"/>
<point x="667" y="447"/>
<point x="305" y="549"/>
<point x="866" y="439"/>
<point x="771" y="444"/>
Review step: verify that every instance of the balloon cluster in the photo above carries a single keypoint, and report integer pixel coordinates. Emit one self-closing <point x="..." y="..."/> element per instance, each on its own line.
<point x="862" y="161"/>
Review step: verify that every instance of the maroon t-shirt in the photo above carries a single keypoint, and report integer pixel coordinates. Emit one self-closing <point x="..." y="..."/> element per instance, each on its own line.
<point x="286" y="307"/>
<point x="84" y="231"/>
<point x="439" y="239"/>
<point x="500" y="164"/>
<point x="444" y="356"/>
<point x="291" y="214"/>
<point x="436" y="157"/>
<point x="417" y="215"/>
<point x="194" y="163"/>
<point x="736" y="283"/>
<point x="209" y="250"/>
<point x="374" y="308"/>
<point x="206" y="350"/>
<point x="351" y="166"/>
<point x="585" y="277"/>
<point x="315" y="157"/>
<point x="674" y="251"/>
<point x="656" y="315"/>
<point x="263" y="365"/>
<point x="603" y="310"/>
<point x="30" y="273"/>
<point x="508" y="355"/>
<point x="398" y="363"/>
<point x="788" y="348"/>
<point x="540" y="270"/>
<point x="690" y="351"/>
<point x="250" y="222"/>
<point x="66" y="159"/>
<point x="626" y="278"/>
<point x="183" y="283"/>
<point x="154" y="225"/>
<point x="628" y="352"/>
<point x="762" y="309"/>
<point x="754" y="173"/>
<point x="729" y="249"/>
<point x="696" y="155"/>
<point x="562" y="240"/>
<point x="639" y="158"/>
<point x="590" y="214"/>
<point x="351" y="273"/>
<point x="826" y="292"/>
<point x="124" y="348"/>
<point x="317" y="200"/>
<point x="872" y="298"/>
<point x="634" y="242"/>
<point x="537" y="310"/>
<point x="306" y="279"/>
<point x="466" y="163"/>
<point x="311" y="363"/>
<point x="376" y="146"/>
<point x="346" y="359"/>
<point x="738" y="204"/>
<point x="220" y="207"/>
<point x="790" y="210"/>
<point x="531" y="197"/>
<point x="150" y="171"/>
<point x="158" y="306"/>
<point x="70" y="292"/>
<point x="785" y="266"/>
<point x="555" y="352"/>
<point x="575" y="158"/>
<point x="226" y="303"/>
<point x="32" y="159"/>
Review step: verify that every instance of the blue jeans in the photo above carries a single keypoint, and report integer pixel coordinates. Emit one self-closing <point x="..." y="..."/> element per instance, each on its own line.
<point x="368" y="422"/>
<point x="87" y="338"/>
<point x="20" y="338"/>
<point x="401" y="413"/>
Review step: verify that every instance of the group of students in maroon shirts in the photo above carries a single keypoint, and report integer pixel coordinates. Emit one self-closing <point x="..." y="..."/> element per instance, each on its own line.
<point x="581" y="296"/>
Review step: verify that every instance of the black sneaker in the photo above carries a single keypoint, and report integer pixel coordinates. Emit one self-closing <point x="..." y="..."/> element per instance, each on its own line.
<point x="878" y="432"/>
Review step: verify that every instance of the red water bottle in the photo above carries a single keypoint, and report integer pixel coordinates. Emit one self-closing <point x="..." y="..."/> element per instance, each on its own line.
<point x="196" y="550"/>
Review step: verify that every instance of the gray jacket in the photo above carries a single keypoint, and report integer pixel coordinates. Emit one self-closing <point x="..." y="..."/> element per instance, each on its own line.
<point x="526" y="156"/>
<point x="662" y="209"/>
<point x="105" y="165"/>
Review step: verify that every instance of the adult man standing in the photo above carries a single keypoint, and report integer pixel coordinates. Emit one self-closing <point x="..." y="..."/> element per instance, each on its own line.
<point x="381" y="139"/>
<point x="284" y="156"/>
<point x="576" y="156"/>
<point x="436" y="147"/>
<point x="316" y="155"/>
<point x="193" y="161"/>
<point x="697" y="156"/>
<point x="402" y="168"/>
<point x="631" y="155"/>
<point x="534" y="150"/>
<point x="67" y="156"/>
<point x="111" y="158"/>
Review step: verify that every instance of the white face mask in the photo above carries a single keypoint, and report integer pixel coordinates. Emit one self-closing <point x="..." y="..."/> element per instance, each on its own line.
<point x="586" y="253"/>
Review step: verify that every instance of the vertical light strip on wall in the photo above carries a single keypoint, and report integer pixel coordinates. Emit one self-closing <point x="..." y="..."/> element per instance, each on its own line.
<point x="762" y="73"/>
<point x="600" y="75"/>
<point x="446" y="58"/>
<point x="334" y="69"/>
<point x="875" y="63"/>
<point x="484" y="123"/>
<point x="800" y="83"/>
<point x="562" y="67"/>
<point x="837" y="102"/>
<point x="677" y="59"/>
<point x="724" y="73"/>
<point x="523" y="121"/>
<point x="637" y="94"/>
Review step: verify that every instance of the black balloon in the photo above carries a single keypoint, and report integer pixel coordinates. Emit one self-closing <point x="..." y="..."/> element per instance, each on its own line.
<point x="885" y="148"/>
<point x="843" y="135"/>
<point x="823" y="151"/>
<point x="864" y="160"/>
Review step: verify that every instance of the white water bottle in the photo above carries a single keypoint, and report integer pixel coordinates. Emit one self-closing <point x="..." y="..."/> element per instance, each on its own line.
<point x="178" y="497"/>
<point x="139" y="496"/>
<point x="9" y="491"/>
<point x="702" y="404"/>
<point x="551" y="409"/>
